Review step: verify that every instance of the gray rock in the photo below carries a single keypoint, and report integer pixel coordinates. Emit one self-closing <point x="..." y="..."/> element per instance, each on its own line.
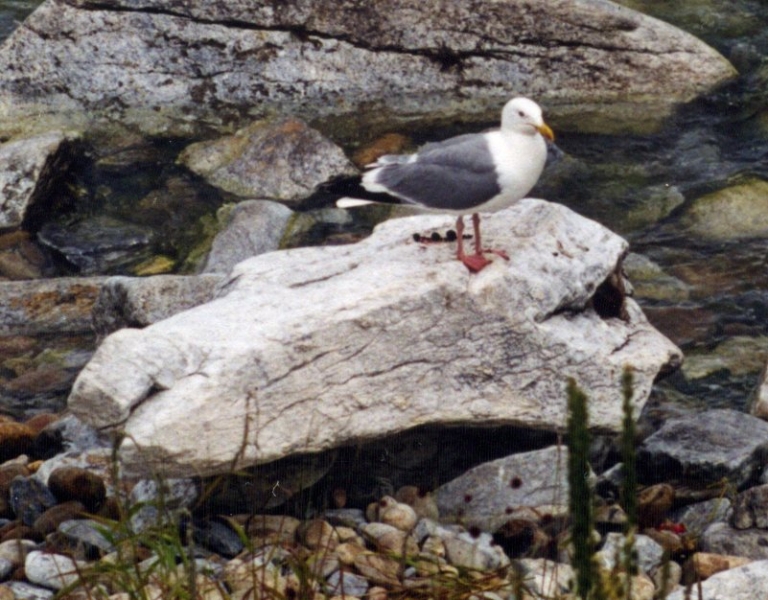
<point x="254" y="227"/>
<point x="218" y="538"/>
<point x="476" y="551"/>
<point x="141" y="301"/>
<point x="742" y="583"/>
<point x="99" y="244"/>
<point x="733" y="213"/>
<point x="283" y="160"/>
<point x="53" y="571"/>
<point x="706" y="447"/>
<point x="312" y="348"/>
<point x="131" y="61"/>
<point x="49" y="306"/>
<point x="697" y="517"/>
<point x="26" y="591"/>
<point x="491" y="494"/>
<point x="649" y="553"/>
<point x="721" y="538"/>
<point x="343" y="583"/>
<point x="160" y="502"/>
<point x="750" y="508"/>
<point x="30" y="498"/>
<point x="86" y="536"/>
<point x="29" y="168"/>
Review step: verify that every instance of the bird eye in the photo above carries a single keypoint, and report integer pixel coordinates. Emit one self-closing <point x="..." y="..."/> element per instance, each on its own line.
<point x="520" y="113"/>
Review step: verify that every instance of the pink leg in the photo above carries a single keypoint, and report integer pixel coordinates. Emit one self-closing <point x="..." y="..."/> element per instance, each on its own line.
<point x="479" y="250"/>
<point x="475" y="262"/>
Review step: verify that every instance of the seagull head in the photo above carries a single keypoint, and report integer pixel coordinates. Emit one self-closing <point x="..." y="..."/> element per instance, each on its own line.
<point x="524" y="115"/>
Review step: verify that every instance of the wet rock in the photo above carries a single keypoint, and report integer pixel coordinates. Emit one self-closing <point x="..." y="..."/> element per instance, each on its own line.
<point x="252" y="227"/>
<point x="704" y="448"/>
<point x="284" y="160"/>
<point x="48" y="306"/>
<point x="491" y="494"/>
<point x="650" y="282"/>
<point x="740" y="355"/>
<point x="397" y="64"/>
<point x="85" y="538"/>
<point x="653" y="504"/>
<point x="30" y="499"/>
<point x="54" y="516"/>
<point x="697" y="517"/>
<point x="160" y="501"/>
<point x="733" y="213"/>
<point x="74" y="483"/>
<point x="387" y="297"/>
<point x="29" y="170"/>
<point x="98" y="245"/>
<point x="68" y="434"/>
<point x="138" y="302"/>
<point x="15" y="439"/>
<point x="721" y="538"/>
<point x="218" y="538"/>
<point x="98" y="460"/>
<point x="53" y="571"/>
<point x="742" y="583"/>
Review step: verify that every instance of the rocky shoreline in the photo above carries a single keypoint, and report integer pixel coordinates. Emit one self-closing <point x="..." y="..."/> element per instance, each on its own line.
<point x="354" y="420"/>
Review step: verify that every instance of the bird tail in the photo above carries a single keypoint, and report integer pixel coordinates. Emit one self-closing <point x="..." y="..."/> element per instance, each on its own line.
<point x="352" y="202"/>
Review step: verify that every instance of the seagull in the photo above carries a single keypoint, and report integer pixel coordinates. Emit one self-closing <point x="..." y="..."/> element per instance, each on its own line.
<point x="467" y="174"/>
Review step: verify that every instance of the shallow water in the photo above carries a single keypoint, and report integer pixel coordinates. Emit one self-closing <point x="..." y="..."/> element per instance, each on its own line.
<point x="12" y="12"/>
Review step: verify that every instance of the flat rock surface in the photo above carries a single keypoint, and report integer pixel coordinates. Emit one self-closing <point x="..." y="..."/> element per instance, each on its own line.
<point x="313" y="348"/>
<point x="187" y="67"/>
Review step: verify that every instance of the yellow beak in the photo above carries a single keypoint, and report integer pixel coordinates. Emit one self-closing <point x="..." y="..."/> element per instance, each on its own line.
<point x="544" y="130"/>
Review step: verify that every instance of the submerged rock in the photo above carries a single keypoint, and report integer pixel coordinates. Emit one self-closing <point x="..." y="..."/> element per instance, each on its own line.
<point x="313" y="348"/>
<point x="282" y="160"/>
<point x="98" y="245"/>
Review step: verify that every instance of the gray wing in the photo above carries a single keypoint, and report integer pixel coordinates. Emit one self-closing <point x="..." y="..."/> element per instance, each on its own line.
<point x="457" y="174"/>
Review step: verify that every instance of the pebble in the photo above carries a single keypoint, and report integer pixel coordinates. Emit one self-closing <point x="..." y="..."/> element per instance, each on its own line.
<point x="30" y="499"/>
<point x="75" y="483"/>
<point x="53" y="571"/>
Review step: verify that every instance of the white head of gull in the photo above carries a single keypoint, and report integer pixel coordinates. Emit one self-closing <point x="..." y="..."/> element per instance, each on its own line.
<point x="468" y="174"/>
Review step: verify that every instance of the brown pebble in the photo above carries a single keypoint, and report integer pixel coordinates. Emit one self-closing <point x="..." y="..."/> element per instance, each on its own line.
<point x="54" y="516"/>
<point x="653" y="504"/>
<point x="41" y="421"/>
<point x="318" y="534"/>
<point x="706" y="564"/>
<point x="15" y="439"/>
<point x="74" y="483"/>
<point x="15" y="346"/>
<point x="16" y="531"/>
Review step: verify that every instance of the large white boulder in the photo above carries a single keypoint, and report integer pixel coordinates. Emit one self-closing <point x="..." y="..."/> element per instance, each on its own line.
<point x="313" y="348"/>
